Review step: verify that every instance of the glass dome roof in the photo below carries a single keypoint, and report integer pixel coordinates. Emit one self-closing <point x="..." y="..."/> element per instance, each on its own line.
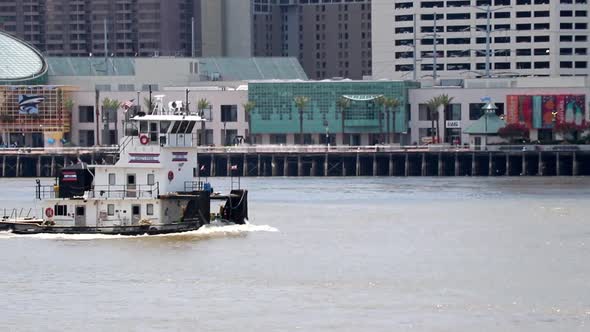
<point x="19" y="60"/>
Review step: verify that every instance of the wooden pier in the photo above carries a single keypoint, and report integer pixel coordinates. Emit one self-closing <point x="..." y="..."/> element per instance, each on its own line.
<point x="331" y="161"/>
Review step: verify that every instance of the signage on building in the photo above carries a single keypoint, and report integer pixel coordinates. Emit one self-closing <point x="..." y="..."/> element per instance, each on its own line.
<point x="29" y="104"/>
<point x="453" y="124"/>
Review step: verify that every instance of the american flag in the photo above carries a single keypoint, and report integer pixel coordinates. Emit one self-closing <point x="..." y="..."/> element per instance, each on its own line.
<point x="127" y="105"/>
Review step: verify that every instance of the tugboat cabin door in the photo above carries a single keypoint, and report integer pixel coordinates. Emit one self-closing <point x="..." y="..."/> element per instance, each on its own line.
<point x="135" y="214"/>
<point x="80" y="218"/>
<point x="131" y="185"/>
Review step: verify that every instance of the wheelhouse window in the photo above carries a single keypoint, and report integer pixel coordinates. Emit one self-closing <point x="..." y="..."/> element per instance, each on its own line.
<point x="112" y="179"/>
<point x="111" y="209"/>
<point x="61" y="210"/>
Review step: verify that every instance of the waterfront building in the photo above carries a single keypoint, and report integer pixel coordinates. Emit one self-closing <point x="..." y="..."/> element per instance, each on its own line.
<point x="479" y="38"/>
<point x="360" y="120"/>
<point x="221" y="81"/>
<point x="330" y="38"/>
<point x="538" y="103"/>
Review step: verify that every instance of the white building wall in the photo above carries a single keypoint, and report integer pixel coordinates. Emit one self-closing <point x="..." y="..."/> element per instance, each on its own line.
<point x="466" y="96"/>
<point x="542" y="28"/>
<point x="215" y="98"/>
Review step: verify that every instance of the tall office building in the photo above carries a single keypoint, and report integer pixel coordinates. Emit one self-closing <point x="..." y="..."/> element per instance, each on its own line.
<point x="476" y="38"/>
<point x="133" y="27"/>
<point x="331" y="38"/>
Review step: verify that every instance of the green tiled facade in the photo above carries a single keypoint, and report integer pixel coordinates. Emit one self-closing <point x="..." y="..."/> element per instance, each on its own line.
<point x="275" y="111"/>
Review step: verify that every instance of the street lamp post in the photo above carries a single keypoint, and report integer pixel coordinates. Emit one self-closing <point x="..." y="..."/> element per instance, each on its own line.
<point x="327" y="133"/>
<point x="488" y="10"/>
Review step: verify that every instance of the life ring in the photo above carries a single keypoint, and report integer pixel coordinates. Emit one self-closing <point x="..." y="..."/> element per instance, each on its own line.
<point x="170" y="175"/>
<point x="49" y="213"/>
<point x="143" y="139"/>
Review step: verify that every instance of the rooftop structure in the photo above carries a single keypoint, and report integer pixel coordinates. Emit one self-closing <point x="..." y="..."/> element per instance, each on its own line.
<point x="137" y="74"/>
<point x="20" y="63"/>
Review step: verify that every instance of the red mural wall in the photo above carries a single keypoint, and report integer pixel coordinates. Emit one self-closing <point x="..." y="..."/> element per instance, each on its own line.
<point x="544" y="111"/>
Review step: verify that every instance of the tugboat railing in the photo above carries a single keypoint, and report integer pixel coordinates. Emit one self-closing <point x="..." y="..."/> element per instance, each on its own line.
<point x="190" y="186"/>
<point x="125" y="191"/>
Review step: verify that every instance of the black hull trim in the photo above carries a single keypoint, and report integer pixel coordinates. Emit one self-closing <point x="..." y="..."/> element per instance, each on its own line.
<point x="29" y="229"/>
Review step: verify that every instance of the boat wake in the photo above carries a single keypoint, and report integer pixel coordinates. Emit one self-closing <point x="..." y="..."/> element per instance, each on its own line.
<point x="214" y="230"/>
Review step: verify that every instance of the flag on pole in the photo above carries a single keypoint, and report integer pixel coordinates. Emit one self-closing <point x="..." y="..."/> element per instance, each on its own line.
<point x="128" y="104"/>
<point x="202" y="167"/>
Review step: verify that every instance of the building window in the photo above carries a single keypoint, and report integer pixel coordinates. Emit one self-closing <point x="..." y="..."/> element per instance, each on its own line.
<point x="111" y="209"/>
<point x="278" y="139"/>
<point x="453" y="112"/>
<point x="149" y="209"/>
<point x="229" y="113"/>
<point x="423" y="113"/>
<point x="86" y="114"/>
<point x="151" y="180"/>
<point x="230" y="136"/>
<point x="112" y="178"/>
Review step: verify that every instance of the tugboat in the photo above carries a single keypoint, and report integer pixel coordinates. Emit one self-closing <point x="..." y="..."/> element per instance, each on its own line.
<point x="154" y="188"/>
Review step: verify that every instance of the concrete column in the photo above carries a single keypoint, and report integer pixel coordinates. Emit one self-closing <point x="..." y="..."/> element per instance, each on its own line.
<point x="299" y="166"/>
<point x="374" y="164"/>
<point x="507" y="165"/>
<point x="4" y="166"/>
<point x="212" y="168"/>
<point x="457" y="165"/>
<point x="38" y="166"/>
<point x="391" y="170"/>
<point x="523" y="173"/>
<point x="326" y="160"/>
<point x="245" y="165"/>
<point x="259" y="166"/>
<point x="490" y="164"/>
<point x="343" y="166"/>
<point x="423" y="165"/>
<point x="407" y="165"/>
<point x="440" y="165"/>
<point x="17" y="165"/>
<point x="540" y="165"/>
<point x="314" y="167"/>
<point x="575" y="171"/>
<point x="358" y="165"/>
<point x="473" y="165"/>
<point x="286" y="166"/>
<point x="52" y="170"/>
<point x="273" y="166"/>
<point x="557" y="164"/>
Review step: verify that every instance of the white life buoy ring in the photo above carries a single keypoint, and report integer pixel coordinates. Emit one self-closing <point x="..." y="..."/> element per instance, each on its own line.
<point x="49" y="213"/>
<point x="144" y="139"/>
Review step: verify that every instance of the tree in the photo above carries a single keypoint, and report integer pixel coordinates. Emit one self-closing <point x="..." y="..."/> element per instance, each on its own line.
<point x="343" y="104"/>
<point x="109" y="107"/>
<point x="432" y="106"/>
<point x="381" y="101"/>
<point x="248" y="108"/>
<point x="391" y="105"/>
<point x="514" y="131"/>
<point x="202" y="105"/>
<point x="570" y="131"/>
<point x="68" y="104"/>
<point x="444" y="100"/>
<point x="300" y="103"/>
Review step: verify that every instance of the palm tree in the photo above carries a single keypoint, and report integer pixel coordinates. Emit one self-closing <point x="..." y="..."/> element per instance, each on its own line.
<point x="202" y="105"/>
<point x="444" y="101"/>
<point x="109" y="106"/>
<point x="342" y="104"/>
<point x="300" y="103"/>
<point x="391" y="104"/>
<point x="248" y="107"/>
<point x="433" y="105"/>
<point x="381" y="101"/>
